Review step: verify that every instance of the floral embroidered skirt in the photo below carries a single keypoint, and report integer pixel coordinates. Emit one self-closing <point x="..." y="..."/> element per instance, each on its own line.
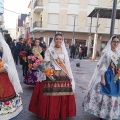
<point x="10" y="103"/>
<point x="31" y="77"/>
<point x="53" y="100"/>
<point x="103" y="106"/>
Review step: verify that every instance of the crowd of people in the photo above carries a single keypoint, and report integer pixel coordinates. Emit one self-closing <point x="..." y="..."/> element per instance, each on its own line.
<point x="23" y="45"/>
<point x="77" y="51"/>
<point x="53" y="97"/>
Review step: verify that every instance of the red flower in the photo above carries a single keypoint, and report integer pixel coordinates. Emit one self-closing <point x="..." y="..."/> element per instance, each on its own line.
<point x="22" y="53"/>
<point x="7" y="103"/>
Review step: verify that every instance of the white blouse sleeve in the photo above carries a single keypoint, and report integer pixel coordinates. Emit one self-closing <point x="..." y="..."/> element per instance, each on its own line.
<point x="47" y="55"/>
<point x="103" y="66"/>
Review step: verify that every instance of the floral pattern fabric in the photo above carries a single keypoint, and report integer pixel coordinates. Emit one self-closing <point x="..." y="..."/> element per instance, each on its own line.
<point x="31" y="77"/>
<point x="10" y="108"/>
<point x="103" y="106"/>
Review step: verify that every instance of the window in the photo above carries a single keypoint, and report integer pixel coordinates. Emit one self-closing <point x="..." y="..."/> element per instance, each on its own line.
<point x="53" y="19"/>
<point x="94" y="21"/>
<point x="74" y="1"/>
<point x="103" y="44"/>
<point x="54" y="1"/>
<point x="116" y="23"/>
<point x="71" y="18"/>
<point x="108" y="23"/>
<point x="19" y="16"/>
<point x="50" y="40"/>
<point x="93" y="2"/>
<point x="118" y="5"/>
<point x="73" y="9"/>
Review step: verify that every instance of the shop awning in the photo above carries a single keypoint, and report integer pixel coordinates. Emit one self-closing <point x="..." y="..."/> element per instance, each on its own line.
<point x="104" y="13"/>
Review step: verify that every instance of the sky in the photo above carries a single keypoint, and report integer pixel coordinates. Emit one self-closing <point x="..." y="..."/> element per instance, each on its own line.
<point x="19" y="6"/>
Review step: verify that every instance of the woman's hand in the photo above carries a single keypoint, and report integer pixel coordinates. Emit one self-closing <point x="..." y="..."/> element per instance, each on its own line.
<point x="103" y="80"/>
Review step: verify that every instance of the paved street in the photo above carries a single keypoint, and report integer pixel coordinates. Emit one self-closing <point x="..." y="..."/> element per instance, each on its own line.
<point x="82" y="77"/>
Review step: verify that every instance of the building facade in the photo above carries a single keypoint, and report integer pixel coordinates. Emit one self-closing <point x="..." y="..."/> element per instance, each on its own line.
<point x="12" y="33"/>
<point x="1" y="15"/>
<point x="51" y="16"/>
<point x="20" y="30"/>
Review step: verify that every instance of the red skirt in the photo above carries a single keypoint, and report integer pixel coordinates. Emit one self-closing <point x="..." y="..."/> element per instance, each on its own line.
<point x="51" y="107"/>
<point x="6" y="88"/>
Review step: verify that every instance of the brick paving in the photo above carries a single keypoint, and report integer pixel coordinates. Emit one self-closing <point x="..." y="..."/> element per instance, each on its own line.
<point x="82" y="77"/>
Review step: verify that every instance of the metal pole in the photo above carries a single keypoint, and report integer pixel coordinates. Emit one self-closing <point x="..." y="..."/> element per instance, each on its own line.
<point x="74" y="29"/>
<point x="113" y="17"/>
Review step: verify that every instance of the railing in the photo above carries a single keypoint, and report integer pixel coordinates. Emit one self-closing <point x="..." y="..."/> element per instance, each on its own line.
<point x="38" y="3"/>
<point x="37" y="24"/>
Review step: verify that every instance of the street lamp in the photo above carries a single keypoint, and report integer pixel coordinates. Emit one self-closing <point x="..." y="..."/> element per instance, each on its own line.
<point x="113" y="17"/>
<point x="73" y="41"/>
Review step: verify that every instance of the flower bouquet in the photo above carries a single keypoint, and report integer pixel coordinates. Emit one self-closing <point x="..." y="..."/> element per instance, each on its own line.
<point x="31" y="60"/>
<point x="117" y="76"/>
<point x="45" y="67"/>
<point x="1" y="63"/>
<point x="23" y="55"/>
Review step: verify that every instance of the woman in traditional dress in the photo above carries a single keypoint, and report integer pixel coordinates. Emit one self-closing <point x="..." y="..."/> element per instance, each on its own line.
<point x="10" y="100"/>
<point x="31" y="77"/>
<point x="36" y="48"/>
<point x="55" y="100"/>
<point x="103" y="97"/>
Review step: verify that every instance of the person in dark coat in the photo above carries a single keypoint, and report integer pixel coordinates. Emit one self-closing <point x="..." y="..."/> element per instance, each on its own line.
<point x="9" y="40"/>
<point x="82" y="52"/>
<point x="43" y="52"/>
<point x="43" y="46"/>
<point x="25" y="47"/>
<point x="73" y="50"/>
<point x="19" y="44"/>
<point x="85" y="50"/>
<point x="14" y="50"/>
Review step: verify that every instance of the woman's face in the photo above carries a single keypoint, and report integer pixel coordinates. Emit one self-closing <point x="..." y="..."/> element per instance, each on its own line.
<point x="58" y="41"/>
<point x="25" y="41"/>
<point x="15" y="41"/>
<point x="37" y="42"/>
<point x="115" y="42"/>
<point x="22" y="40"/>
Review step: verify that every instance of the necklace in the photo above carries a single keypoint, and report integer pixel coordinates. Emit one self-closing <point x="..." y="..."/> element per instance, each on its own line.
<point x="58" y="50"/>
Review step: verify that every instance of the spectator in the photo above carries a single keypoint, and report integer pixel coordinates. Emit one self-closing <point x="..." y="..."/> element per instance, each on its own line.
<point x="19" y="44"/>
<point x="68" y="49"/>
<point x="14" y="51"/>
<point x="73" y="50"/>
<point x="81" y="52"/>
<point x="42" y="43"/>
<point x="85" y="51"/>
<point x="43" y="46"/>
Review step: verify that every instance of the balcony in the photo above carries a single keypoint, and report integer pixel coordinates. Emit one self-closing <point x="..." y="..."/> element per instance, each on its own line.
<point x="37" y="24"/>
<point x="38" y="6"/>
